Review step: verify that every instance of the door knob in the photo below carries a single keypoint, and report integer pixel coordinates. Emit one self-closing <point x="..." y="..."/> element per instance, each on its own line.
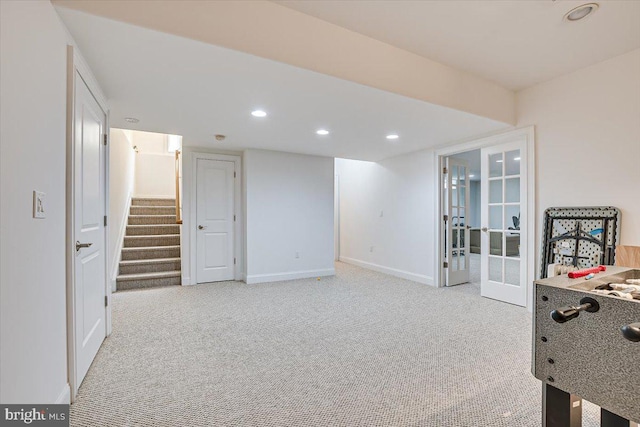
<point x="485" y="229"/>
<point x="82" y="245"/>
<point x="201" y="227"/>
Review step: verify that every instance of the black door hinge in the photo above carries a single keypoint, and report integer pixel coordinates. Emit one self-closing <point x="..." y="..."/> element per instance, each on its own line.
<point x="106" y="301"/>
<point x="445" y="264"/>
<point x="105" y="220"/>
<point x="234" y="261"/>
<point x="104" y="139"/>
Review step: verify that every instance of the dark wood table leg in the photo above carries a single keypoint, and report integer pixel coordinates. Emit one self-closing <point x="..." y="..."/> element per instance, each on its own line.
<point x="609" y="419"/>
<point x="560" y="409"/>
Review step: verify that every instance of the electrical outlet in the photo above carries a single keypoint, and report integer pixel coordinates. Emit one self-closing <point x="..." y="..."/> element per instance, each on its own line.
<point x="371" y="249"/>
<point x="381" y="214"/>
<point x="297" y="255"/>
<point x="38" y="204"/>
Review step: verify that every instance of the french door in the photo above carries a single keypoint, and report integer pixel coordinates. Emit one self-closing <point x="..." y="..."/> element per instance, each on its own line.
<point x="504" y="217"/>
<point x="457" y="225"/>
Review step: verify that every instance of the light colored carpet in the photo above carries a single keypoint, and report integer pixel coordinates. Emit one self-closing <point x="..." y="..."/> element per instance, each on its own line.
<point x="358" y="349"/>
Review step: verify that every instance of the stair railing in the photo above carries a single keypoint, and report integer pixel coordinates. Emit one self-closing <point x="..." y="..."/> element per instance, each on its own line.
<point x="177" y="168"/>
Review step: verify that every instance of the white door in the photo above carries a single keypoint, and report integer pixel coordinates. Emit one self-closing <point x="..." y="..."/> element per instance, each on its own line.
<point x="215" y="219"/>
<point x="457" y="214"/>
<point x="89" y="230"/>
<point x="504" y="222"/>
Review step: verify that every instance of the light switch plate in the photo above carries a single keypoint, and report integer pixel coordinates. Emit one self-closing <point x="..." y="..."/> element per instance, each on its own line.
<point x="38" y="204"/>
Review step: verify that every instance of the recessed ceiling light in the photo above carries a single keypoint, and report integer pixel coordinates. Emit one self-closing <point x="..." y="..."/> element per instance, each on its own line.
<point x="581" y="12"/>
<point x="499" y="161"/>
<point x="259" y="113"/>
<point x="131" y="120"/>
<point x="517" y="159"/>
<point x="322" y="132"/>
<point x="392" y="136"/>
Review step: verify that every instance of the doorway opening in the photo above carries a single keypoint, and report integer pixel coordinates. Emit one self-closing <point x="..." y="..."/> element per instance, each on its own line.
<point x="145" y="211"/>
<point x="501" y="235"/>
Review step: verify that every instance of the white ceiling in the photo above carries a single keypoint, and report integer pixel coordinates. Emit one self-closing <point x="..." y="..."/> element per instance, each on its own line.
<point x="514" y="43"/>
<point x="180" y="86"/>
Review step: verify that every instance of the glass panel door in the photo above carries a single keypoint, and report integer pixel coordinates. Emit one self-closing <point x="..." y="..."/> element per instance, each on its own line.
<point x="457" y="228"/>
<point x="503" y="246"/>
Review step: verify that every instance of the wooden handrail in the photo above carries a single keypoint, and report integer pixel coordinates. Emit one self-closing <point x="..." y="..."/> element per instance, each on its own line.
<point x="178" y="213"/>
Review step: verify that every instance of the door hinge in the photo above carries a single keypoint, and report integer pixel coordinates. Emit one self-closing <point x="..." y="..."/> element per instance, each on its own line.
<point x="445" y="217"/>
<point x="445" y="170"/>
<point x="106" y="301"/>
<point x="445" y="264"/>
<point x="234" y="174"/>
<point x="104" y="139"/>
<point x="234" y="261"/>
<point x="234" y="218"/>
<point x="105" y="220"/>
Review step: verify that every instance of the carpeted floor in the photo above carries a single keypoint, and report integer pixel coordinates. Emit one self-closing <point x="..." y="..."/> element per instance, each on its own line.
<point x="358" y="349"/>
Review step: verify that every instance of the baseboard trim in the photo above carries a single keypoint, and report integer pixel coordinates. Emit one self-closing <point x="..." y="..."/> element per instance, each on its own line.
<point x="65" y="396"/>
<point x="426" y="280"/>
<point x="118" y="251"/>
<point x="186" y="281"/>
<point x="293" y="275"/>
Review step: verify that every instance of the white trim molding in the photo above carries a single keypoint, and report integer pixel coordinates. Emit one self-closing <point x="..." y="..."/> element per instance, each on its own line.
<point x="292" y="275"/>
<point x="420" y="278"/>
<point x="117" y="253"/>
<point x="64" y="398"/>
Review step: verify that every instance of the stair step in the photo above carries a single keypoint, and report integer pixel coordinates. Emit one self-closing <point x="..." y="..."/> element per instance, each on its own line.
<point x="153" y="210"/>
<point x="157" y="240"/>
<point x="150" y="252"/>
<point x="153" y="229"/>
<point x="148" y="280"/>
<point x="149" y="201"/>
<point x="151" y="219"/>
<point x="149" y="265"/>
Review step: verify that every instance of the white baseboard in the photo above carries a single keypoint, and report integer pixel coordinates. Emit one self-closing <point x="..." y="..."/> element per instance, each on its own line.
<point x="278" y="277"/>
<point x="65" y="396"/>
<point x="427" y="280"/>
<point x="186" y="281"/>
<point x="117" y="255"/>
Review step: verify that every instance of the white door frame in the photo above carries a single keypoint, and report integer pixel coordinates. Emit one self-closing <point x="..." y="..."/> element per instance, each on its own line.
<point x="441" y="153"/>
<point x="237" y="230"/>
<point x="76" y="64"/>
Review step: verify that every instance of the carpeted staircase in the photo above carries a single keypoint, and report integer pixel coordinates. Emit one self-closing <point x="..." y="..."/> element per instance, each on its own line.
<point x="151" y="250"/>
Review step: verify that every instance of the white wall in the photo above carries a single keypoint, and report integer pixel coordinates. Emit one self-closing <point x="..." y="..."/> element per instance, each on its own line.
<point x="121" y="184"/>
<point x="155" y="175"/>
<point x="588" y="140"/>
<point x="33" y="343"/>
<point x="388" y="206"/>
<point x="289" y="209"/>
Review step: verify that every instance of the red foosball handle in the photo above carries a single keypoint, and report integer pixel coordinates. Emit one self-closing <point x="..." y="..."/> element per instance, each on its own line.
<point x="586" y="271"/>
